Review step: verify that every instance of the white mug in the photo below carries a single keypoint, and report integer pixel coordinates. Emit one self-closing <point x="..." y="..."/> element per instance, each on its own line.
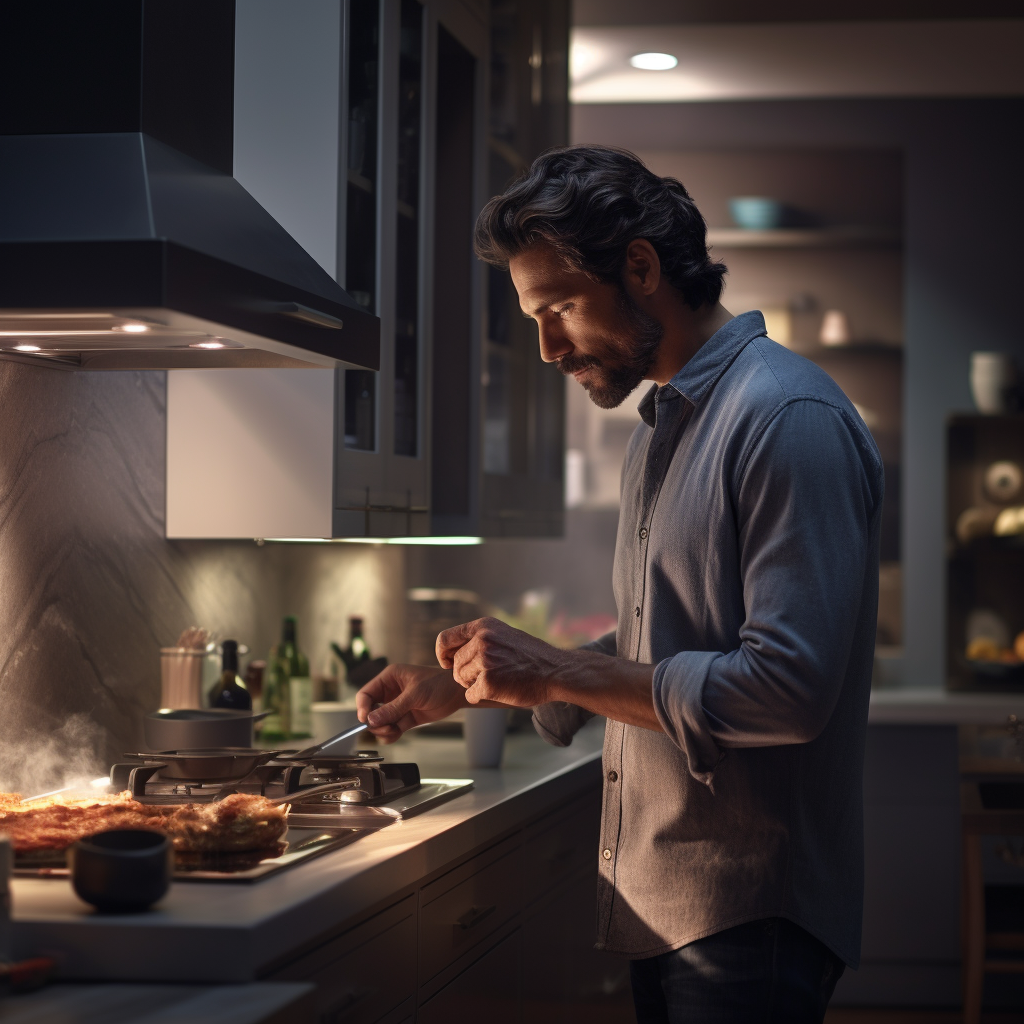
<point x="331" y="717"/>
<point x="993" y="376"/>
<point x="484" y="729"/>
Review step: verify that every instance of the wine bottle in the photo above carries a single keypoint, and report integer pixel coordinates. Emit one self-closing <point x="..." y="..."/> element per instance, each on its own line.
<point x="276" y="699"/>
<point x="229" y="691"/>
<point x="300" y="683"/>
<point x="357" y="652"/>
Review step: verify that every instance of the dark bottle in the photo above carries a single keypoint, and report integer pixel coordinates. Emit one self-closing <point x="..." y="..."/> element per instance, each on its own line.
<point x="229" y="691"/>
<point x="357" y="652"/>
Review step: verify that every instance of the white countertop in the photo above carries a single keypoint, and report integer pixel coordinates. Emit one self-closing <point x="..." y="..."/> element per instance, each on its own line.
<point x="927" y="706"/>
<point x="213" y="931"/>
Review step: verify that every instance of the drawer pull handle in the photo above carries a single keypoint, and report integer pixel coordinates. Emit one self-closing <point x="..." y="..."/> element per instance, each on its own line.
<point x="472" y="917"/>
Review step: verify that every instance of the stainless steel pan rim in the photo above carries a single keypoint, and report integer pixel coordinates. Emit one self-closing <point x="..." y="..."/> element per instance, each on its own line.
<point x="212" y="764"/>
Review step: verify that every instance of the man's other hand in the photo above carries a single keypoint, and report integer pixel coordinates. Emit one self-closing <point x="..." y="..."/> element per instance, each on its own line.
<point x="411" y="695"/>
<point x="495" y="662"/>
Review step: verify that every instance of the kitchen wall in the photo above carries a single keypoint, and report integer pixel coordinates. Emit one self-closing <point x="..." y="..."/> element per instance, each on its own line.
<point x="89" y="588"/>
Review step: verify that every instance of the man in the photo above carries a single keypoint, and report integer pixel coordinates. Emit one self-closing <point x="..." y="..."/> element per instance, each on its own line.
<point x="746" y="578"/>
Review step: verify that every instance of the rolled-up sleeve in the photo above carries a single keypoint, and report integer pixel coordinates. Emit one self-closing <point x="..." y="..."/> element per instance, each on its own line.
<point x="806" y="502"/>
<point x="557" y="722"/>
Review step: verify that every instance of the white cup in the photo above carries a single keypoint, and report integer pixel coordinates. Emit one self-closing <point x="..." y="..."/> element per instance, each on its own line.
<point x="484" y="729"/>
<point x="993" y="376"/>
<point x="331" y="717"/>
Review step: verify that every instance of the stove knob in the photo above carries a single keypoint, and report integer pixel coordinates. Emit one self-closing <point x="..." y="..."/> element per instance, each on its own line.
<point x="355" y="796"/>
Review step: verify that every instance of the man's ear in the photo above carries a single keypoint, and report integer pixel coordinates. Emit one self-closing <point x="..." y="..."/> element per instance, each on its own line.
<point x="642" y="273"/>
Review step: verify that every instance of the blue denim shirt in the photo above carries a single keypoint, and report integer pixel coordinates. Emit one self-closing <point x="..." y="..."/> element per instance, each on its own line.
<point x="746" y="571"/>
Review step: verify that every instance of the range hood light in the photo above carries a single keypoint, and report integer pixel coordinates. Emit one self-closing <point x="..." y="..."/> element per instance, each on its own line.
<point x="207" y="344"/>
<point x="131" y="328"/>
<point x="27" y="348"/>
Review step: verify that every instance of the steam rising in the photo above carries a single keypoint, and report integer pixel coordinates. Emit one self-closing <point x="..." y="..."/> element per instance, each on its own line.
<point x="65" y="757"/>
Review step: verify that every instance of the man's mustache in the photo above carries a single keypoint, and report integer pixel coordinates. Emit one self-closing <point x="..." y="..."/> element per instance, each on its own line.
<point x="573" y="364"/>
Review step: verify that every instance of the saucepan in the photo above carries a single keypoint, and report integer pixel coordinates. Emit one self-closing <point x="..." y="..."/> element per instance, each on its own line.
<point x="199" y="728"/>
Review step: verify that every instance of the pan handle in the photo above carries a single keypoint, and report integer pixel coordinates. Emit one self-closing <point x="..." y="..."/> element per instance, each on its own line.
<point x="304" y="794"/>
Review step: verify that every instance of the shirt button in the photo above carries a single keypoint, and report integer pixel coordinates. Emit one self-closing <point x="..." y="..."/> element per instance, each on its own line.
<point x="643" y="533"/>
<point x="613" y="776"/>
<point x="636" y="611"/>
<point x="607" y="854"/>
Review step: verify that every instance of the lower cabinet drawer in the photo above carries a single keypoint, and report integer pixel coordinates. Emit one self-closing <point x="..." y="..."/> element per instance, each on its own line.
<point x="365" y="973"/>
<point x="488" y="991"/>
<point x="457" y="919"/>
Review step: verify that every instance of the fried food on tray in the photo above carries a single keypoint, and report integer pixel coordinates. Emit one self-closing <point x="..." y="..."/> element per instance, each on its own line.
<point x="236" y="823"/>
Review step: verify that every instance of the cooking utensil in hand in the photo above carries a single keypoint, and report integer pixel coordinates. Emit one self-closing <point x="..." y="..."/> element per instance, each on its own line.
<point x="334" y="746"/>
<point x="199" y="728"/>
<point x="124" y="870"/>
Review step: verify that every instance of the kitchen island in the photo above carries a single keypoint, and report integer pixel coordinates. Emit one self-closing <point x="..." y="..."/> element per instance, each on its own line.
<point x="419" y="902"/>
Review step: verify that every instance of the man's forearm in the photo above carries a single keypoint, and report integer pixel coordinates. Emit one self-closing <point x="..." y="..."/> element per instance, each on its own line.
<point x="613" y="687"/>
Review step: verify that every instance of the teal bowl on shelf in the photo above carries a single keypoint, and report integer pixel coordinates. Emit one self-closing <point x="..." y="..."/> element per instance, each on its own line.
<point x="755" y="213"/>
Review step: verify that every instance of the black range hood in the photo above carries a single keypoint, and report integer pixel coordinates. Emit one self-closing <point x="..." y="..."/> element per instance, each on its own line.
<point x="125" y="242"/>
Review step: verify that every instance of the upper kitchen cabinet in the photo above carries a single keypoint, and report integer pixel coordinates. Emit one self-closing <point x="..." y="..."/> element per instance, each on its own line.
<point x="134" y="232"/>
<point x="505" y="478"/>
<point x="331" y="135"/>
<point x="366" y="128"/>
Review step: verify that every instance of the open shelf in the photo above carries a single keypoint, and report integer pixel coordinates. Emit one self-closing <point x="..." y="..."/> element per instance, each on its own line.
<point x="854" y="236"/>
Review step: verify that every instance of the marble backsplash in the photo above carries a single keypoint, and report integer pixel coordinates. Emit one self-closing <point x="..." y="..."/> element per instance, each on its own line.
<point x="90" y="589"/>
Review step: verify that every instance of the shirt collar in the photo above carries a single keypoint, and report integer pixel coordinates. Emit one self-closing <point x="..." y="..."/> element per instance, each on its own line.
<point x="710" y="361"/>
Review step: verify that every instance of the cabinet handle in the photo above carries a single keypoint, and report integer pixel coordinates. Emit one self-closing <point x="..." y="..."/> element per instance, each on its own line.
<point x="472" y="917"/>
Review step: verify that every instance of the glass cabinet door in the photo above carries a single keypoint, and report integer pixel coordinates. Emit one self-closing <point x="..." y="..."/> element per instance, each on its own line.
<point x="381" y="455"/>
<point x="523" y="398"/>
<point x="407" y="248"/>
<point x="360" y="389"/>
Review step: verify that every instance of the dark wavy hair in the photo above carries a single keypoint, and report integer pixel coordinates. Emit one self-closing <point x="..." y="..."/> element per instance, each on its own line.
<point x="589" y="203"/>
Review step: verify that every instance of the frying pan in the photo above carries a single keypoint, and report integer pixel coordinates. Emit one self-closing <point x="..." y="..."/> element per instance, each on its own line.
<point x="211" y="764"/>
<point x="217" y="764"/>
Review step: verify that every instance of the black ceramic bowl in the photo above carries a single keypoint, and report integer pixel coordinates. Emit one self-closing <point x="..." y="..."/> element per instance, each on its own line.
<point x="122" y="870"/>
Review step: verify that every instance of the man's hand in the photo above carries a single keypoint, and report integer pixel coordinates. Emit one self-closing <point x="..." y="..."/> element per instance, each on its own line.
<point x="410" y="695"/>
<point x="495" y="662"/>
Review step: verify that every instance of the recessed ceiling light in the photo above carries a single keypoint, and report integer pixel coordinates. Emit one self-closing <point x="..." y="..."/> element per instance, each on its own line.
<point x="207" y="344"/>
<point x="27" y="348"/>
<point x="653" y="61"/>
<point x="134" y="328"/>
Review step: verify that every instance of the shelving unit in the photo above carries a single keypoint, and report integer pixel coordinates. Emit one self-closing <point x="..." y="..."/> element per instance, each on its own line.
<point x="985" y="573"/>
<point x="852" y="236"/>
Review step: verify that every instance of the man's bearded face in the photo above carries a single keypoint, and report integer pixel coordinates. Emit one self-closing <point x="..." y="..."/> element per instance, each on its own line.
<point x="628" y="354"/>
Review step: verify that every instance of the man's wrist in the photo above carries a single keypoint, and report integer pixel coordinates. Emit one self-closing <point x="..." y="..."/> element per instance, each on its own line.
<point x="575" y="674"/>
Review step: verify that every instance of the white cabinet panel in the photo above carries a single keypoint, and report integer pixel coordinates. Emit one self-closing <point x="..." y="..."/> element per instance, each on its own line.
<point x="249" y="453"/>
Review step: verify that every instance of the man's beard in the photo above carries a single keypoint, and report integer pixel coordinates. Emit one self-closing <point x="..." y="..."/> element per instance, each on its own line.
<point x="611" y="384"/>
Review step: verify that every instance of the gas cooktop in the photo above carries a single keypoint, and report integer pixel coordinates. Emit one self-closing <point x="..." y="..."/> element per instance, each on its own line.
<point x="332" y="801"/>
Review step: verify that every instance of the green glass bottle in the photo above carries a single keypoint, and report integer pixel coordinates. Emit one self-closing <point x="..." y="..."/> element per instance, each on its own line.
<point x="300" y="683"/>
<point x="276" y="699"/>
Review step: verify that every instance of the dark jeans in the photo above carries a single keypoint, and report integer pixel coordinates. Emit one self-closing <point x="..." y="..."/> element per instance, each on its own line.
<point x="764" y="972"/>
